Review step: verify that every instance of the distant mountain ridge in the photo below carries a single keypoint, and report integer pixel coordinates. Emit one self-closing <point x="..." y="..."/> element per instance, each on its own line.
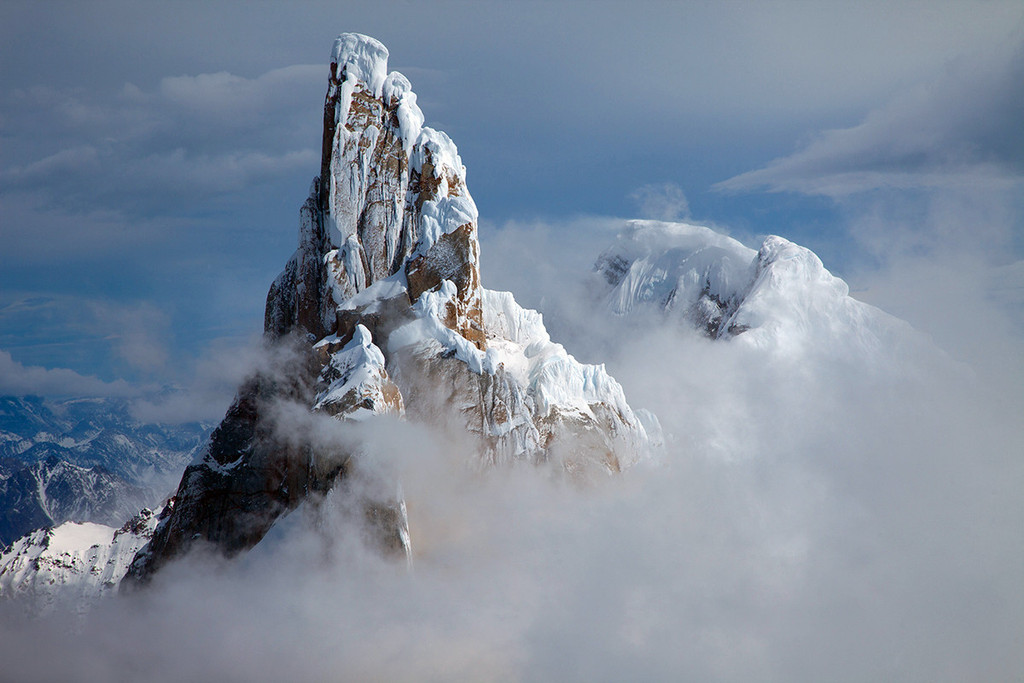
<point x="83" y="460"/>
<point x="51" y="491"/>
<point x="95" y="431"/>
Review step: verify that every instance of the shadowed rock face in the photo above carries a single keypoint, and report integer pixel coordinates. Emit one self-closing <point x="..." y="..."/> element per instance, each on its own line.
<point x="380" y="310"/>
<point x="248" y="477"/>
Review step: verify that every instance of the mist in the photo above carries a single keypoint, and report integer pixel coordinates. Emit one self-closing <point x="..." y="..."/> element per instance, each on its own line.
<point x="808" y="518"/>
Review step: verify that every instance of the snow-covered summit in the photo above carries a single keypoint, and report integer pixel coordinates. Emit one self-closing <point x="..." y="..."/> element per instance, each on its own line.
<point x="381" y="310"/>
<point x="362" y="59"/>
<point x="393" y="224"/>
<point x="393" y="185"/>
<point x="779" y="296"/>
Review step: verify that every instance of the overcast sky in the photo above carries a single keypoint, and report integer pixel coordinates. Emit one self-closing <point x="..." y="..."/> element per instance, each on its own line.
<point x="153" y="156"/>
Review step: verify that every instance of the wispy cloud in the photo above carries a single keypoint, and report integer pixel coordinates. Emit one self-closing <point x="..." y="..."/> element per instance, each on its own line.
<point x="141" y="151"/>
<point x="960" y="131"/>
<point x="18" y="379"/>
<point x="661" y="201"/>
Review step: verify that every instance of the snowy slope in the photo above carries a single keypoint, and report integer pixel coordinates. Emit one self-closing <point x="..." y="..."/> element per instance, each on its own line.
<point x="779" y="297"/>
<point x="72" y="564"/>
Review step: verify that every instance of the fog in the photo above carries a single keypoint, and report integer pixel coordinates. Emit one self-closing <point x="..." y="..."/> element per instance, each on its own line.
<point x="808" y="518"/>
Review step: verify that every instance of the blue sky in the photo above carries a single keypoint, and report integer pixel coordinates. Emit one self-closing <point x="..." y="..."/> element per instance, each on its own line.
<point x="153" y="156"/>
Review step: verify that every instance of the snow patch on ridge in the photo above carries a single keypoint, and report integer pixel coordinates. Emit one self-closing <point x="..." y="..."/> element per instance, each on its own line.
<point x="73" y="564"/>
<point x="356" y="377"/>
<point x="519" y="347"/>
<point x="410" y="118"/>
<point x="370" y="298"/>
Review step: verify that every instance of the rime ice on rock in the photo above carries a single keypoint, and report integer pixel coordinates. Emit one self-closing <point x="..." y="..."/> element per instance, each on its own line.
<point x="354" y="382"/>
<point x="382" y="310"/>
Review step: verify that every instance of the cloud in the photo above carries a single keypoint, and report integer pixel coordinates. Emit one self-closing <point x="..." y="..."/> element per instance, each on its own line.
<point x="225" y="97"/>
<point x="803" y="524"/>
<point x="935" y="174"/>
<point x="177" y="172"/>
<point x="959" y="131"/>
<point x="137" y="332"/>
<point x="135" y="151"/>
<point x="663" y="202"/>
<point x="204" y="386"/>
<point x="808" y="519"/>
<point x="134" y="334"/>
<point x="136" y="341"/>
<point x="18" y="379"/>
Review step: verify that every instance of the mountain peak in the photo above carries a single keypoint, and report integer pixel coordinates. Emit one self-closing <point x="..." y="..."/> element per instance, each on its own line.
<point x="780" y="296"/>
<point x="360" y="59"/>
<point x="381" y="311"/>
<point x="391" y="199"/>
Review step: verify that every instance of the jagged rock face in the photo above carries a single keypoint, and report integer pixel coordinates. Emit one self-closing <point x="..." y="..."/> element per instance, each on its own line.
<point x="254" y="469"/>
<point x="382" y="311"/>
<point x="354" y="381"/>
<point x="453" y="258"/>
<point x="391" y="198"/>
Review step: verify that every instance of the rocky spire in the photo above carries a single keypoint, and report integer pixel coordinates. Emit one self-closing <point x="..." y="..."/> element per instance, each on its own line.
<point x="391" y="199"/>
<point x="380" y="310"/>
